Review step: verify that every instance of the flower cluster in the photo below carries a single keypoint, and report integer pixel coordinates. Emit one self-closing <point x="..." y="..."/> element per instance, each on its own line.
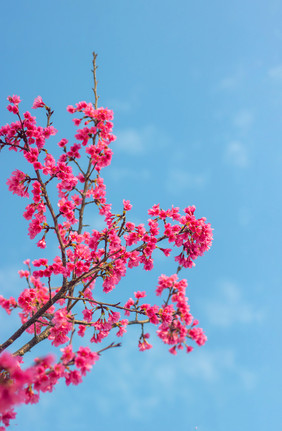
<point x="60" y="302"/>
<point x="18" y="386"/>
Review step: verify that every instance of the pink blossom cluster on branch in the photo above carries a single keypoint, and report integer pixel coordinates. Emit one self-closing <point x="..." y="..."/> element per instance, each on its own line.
<point x="67" y="313"/>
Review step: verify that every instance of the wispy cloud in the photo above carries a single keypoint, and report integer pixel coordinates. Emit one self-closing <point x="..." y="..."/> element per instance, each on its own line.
<point x="230" y="308"/>
<point x="129" y="383"/>
<point x="120" y="105"/>
<point x="243" y="119"/>
<point x="95" y="221"/>
<point x="120" y="174"/>
<point x="10" y="282"/>
<point x="10" y="285"/>
<point x="212" y="366"/>
<point x="236" y="154"/>
<point x="136" y="141"/>
<point x="232" y="81"/>
<point x="130" y="141"/>
<point x="244" y="217"/>
<point x="151" y="379"/>
<point x="179" y="179"/>
<point x="275" y="72"/>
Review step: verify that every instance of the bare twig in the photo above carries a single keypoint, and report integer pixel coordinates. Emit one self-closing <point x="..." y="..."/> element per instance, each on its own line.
<point x="96" y="97"/>
<point x="105" y="304"/>
<point x="108" y="347"/>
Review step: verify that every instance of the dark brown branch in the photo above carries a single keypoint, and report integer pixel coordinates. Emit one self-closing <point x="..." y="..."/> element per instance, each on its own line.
<point x="34" y="318"/>
<point x="35" y="340"/>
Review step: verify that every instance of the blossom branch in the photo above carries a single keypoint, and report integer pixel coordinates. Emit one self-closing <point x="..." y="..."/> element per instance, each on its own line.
<point x="86" y="257"/>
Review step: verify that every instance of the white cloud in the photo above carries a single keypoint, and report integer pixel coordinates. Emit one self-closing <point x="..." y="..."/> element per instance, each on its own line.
<point x="131" y="374"/>
<point x="227" y="83"/>
<point x="96" y="222"/>
<point x="212" y="366"/>
<point x="236" y="154"/>
<point x="141" y="382"/>
<point x="205" y="366"/>
<point x="232" y="81"/>
<point x="119" y="174"/>
<point x="135" y="141"/>
<point x="248" y="378"/>
<point x="230" y="308"/>
<point x="275" y="72"/>
<point x="244" y="217"/>
<point x="119" y="105"/>
<point x="10" y="282"/>
<point x="179" y="179"/>
<point x="130" y="141"/>
<point x="10" y="285"/>
<point x="243" y="119"/>
<point x="167" y="377"/>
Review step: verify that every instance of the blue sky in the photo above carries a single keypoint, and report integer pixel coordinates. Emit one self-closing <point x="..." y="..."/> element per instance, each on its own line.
<point x="196" y="88"/>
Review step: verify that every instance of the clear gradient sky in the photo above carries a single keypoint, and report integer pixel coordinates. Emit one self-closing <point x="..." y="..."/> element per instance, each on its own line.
<point x="196" y="88"/>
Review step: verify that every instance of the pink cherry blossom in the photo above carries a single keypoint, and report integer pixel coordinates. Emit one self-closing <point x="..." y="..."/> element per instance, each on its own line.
<point x="18" y="183"/>
<point x="67" y="297"/>
<point x="139" y="294"/>
<point x="38" y="103"/>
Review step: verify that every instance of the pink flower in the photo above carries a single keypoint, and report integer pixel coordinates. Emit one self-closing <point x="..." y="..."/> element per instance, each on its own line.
<point x="38" y="103"/>
<point x="154" y="211"/>
<point x="122" y="328"/>
<point x="73" y="377"/>
<point x="144" y="345"/>
<point x="166" y="251"/>
<point x="23" y="273"/>
<point x="128" y="304"/>
<point x="31" y="155"/>
<point x="63" y="326"/>
<point x="197" y="334"/>
<point x="172" y="350"/>
<point x="87" y="314"/>
<point x="81" y="330"/>
<point x="37" y="166"/>
<point x="41" y="243"/>
<point x="151" y="312"/>
<point x="76" y="121"/>
<point x="17" y="185"/>
<point x="84" y="359"/>
<point x="40" y="262"/>
<point x="8" y="304"/>
<point x="63" y="142"/>
<point x="71" y="109"/>
<point x="126" y="205"/>
<point x="139" y="294"/>
<point x="14" y="99"/>
<point x="114" y="317"/>
<point x="67" y="355"/>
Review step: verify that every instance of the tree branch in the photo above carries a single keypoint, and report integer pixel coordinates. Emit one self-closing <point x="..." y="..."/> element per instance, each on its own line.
<point x="96" y="97"/>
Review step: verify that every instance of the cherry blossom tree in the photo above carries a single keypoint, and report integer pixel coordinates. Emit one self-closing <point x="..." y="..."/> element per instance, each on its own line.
<point x="59" y="301"/>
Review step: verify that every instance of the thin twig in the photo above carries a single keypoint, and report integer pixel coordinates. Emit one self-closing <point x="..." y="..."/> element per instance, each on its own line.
<point x="108" y="347"/>
<point x="96" y="97"/>
<point x="105" y="304"/>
